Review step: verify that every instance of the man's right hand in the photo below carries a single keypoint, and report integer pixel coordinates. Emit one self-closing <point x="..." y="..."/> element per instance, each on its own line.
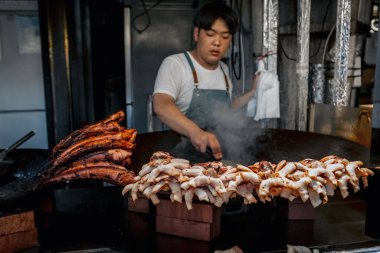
<point x="202" y="139"/>
<point x="171" y="116"/>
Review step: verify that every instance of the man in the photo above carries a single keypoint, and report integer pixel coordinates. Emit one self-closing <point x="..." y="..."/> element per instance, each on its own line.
<point x="193" y="88"/>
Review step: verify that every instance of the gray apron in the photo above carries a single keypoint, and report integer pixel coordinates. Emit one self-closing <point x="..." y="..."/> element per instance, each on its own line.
<point x="208" y="107"/>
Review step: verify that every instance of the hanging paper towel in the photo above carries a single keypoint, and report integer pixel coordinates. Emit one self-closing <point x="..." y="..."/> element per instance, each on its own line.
<point x="266" y="103"/>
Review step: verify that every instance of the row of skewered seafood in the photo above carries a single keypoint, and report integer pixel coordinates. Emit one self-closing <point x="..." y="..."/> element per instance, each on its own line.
<point x="216" y="183"/>
<point x="97" y="151"/>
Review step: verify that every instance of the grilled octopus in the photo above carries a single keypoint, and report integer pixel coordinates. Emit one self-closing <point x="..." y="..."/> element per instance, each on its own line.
<point x="91" y="147"/>
<point x="110" y="124"/>
<point x="98" y="151"/>
<point x="107" y="172"/>
<point x="117" y="156"/>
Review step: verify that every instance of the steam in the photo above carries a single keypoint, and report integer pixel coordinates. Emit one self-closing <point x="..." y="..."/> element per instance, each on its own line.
<point x="236" y="132"/>
<point x="237" y="135"/>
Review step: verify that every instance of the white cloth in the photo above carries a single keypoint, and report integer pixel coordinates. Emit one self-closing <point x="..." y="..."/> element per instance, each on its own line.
<point x="175" y="78"/>
<point x="266" y="103"/>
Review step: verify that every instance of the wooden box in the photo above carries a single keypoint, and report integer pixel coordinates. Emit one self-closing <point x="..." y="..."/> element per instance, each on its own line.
<point x="141" y="205"/>
<point x="170" y="243"/>
<point x="297" y="209"/>
<point x="17" y="232"/>
<point x="19" y="241"/>
<point x="16" y="222"/>
<point x="200" y="223"/>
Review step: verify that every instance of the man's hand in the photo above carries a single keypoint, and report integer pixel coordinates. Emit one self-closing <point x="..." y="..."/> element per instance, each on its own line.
<point x="202" y="139"/>
<point x="169" y="113"/>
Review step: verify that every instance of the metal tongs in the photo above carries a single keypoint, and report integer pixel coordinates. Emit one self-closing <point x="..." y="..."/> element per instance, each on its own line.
<point x="4" y="153"/>
<point x="224" y="161"/>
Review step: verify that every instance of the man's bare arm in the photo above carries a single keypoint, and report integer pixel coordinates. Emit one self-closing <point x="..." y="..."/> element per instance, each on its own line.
<point x="244" y="99"/>
<point x="171" y="116"/>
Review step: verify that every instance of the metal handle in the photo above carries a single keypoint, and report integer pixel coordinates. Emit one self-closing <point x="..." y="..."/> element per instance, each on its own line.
<point x="16" y="144"/>
<point x="210" y="153"/>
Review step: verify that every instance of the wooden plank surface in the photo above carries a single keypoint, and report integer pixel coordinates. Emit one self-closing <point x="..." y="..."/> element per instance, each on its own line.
<point x="12" y="223"/>
<point x="186" y="228"/>
<point x="201" y="211"/>
<point x="301" y="211"/>
<point x="140" y="205"/>
<point x="18" y="241"/>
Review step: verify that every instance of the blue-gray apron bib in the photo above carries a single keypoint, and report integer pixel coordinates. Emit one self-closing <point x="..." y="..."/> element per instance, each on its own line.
<point x="208" y="106"/>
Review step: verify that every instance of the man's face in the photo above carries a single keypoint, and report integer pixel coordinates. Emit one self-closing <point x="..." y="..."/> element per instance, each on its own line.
<point x="212" y="44"/>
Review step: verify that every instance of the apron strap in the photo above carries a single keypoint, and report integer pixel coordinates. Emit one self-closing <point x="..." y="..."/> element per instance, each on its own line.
<point x="225" y="79"/>
<point x="196" y="77"/>
<point x="192" y="68"/>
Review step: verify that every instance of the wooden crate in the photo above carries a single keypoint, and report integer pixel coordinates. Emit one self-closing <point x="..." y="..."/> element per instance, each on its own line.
<point x="141" y="205"/>
<point x="19" y="241"/>
<point x="299" y="210"/>
<point x="16" y="222"/>
<point x="200" y="223"/>
<point x="17" y="231"/>
<point x="296" y="210"/>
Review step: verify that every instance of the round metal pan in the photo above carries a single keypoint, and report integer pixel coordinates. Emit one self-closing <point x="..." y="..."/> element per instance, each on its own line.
<point x="251" y="145"/>
<point x="242" y="146"/>
<point x="21" y="176"/>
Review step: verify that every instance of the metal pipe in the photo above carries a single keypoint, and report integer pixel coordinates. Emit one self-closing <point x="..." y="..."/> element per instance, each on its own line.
<point x="317" y="83"/>
<point x="270" y="33"/>
<point x="302" y="65"/>
<point x="149" y="113"/>
<point x="128" y="67"/>
<point x="375" y="134"/>
<point x="269" y="45"/>
<point x="341" y="88"/>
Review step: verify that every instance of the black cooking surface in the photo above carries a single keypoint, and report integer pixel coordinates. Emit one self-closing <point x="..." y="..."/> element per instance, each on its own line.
<point x="251" y="145"/>
<point x="19" y="178"/>
<point x="85" y="216"/>
<point x="245" y="147"/>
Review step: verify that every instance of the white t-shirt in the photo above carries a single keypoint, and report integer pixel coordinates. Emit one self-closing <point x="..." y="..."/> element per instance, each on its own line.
<point x="175" y="78"/>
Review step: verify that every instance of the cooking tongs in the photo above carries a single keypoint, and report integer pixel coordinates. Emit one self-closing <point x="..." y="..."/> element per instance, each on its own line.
<point x="4" y="153"/>
<point x="224" y="161"/>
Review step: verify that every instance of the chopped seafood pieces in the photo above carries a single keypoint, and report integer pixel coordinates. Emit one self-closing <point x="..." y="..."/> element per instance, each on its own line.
<point x="217" y="183"/>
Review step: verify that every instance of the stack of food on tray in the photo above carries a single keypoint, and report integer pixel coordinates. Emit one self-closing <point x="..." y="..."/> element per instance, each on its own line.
<point x="216" y="183"/>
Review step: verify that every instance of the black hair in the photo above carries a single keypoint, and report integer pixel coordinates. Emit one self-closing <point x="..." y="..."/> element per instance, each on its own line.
<point x="206" y="16"/>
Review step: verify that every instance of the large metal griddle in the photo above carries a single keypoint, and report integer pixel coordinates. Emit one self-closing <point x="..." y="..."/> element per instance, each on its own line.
<point x="243" y="146"/>
<point x="251" y="145"/>
<point x="23" y="174"/>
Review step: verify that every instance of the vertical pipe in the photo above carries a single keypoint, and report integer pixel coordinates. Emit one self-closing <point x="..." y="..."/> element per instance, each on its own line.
<point x="76" y="62"/>
<point x="265" y="28"/>
<point x="56" y="67"/>
<point x="88" y="73"/>
<point x="270" y="33"/>
<point x="375" y="140"/>
<point x="44" y="18"/>
<point x="317" y="83"/>
<point x="342" y="88"/>
<point x="128" y="67"/>
<point x="269" y="46"/>
<point x="302" y="65"/>
<point x="149" y="113"/>
<point x="257" y="23"/>
<point x="372" y="222"/>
